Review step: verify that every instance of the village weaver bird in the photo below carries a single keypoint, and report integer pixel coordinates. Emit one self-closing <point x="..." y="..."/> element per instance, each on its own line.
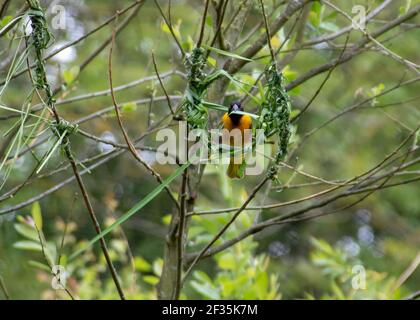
<point x="235" y="119"/>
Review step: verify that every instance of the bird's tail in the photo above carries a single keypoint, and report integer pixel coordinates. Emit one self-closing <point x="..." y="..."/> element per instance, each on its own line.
<point x="235" y="170"/>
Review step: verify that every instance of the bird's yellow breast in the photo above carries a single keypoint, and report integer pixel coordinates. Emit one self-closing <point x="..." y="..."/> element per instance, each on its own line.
<point x="245" y="122"/>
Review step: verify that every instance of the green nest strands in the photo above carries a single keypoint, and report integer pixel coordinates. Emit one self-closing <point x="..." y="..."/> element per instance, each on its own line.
<point x="40" y="35"/>
<point x="65" y="128"/>
<point x="194" y="107"/>
<point x="40" y="39"/>
<point x="196" y="113"/>
<point x="275" y="114"/>
<point x="198" y="83"/>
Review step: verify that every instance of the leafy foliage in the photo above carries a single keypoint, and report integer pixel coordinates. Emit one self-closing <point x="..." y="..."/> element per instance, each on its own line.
<point x="348" y="278"/>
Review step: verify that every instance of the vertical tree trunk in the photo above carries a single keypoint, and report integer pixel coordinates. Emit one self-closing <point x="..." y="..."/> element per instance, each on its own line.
<point x="168" y="279"/>
<point x="167" y="283"/>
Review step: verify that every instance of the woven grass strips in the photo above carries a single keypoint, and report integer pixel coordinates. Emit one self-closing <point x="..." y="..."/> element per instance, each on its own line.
<point x="275" y="115"/>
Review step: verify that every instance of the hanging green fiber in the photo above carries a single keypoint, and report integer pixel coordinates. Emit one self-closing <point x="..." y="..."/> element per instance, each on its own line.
<point x="275" y="114"/>
<point x="40" y="39"/>
<point x="40" y="35"/>
<point x="195" y="112"/>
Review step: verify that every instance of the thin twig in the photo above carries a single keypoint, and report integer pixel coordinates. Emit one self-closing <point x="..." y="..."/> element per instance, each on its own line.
<point x="203" y="24"/>
<point x="4" y="288"/>
<point x="250" y="52"/>
<point x="80" y="39"/>
<point x="180" y="234"/>
<point x="222" y="231"/>
<point x="169" y="24"/>
<point x="289" y="218"/>
<point x="357" y="49"/>
<point x="267" y="31"/>
<point x="413" y="296"/>
<point x="163" y="87"/>
<point x="305" y="108"/>
<point x="218" y="33"/>
<point x="71" y="159"/>
<point x="127" y="139"/>
<point x="103" y="158"/>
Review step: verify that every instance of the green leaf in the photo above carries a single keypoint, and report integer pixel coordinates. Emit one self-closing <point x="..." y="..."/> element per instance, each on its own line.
<point x="404" y="9"/>
<point x="322" y="246"/>
<point x="50" y="252"/>
<point x="289" y="74"/>
<point x="315" y="15"/>
<point x="227" y="262"/>
<point x="338" y="293"/>
<point x="332" y="16"/>
<point x="261" y="284"/>
<point x="329" y="26"/>
<point x="175" y="29"/>
<point x="139" y="205"/>
<point x="27" y="231"/>
<point x="188" y="44"/>
<point x="36" y="215"/>
<point x="5" y="21"/>
<point x="374" y="91"/>
<point x="151" y="280"/>
<point x="166" y="219"/>
<point x="202" y="277"/>
<point x="28" y="245"/>
<point x="165" y="28"/>
<point x="209" y="21"/>
<point x="71" y="74"/>
<point x="211" y="61"/>
<point x="294" y="113"/>
<point x="141" y="264"/>
<point x="129" y="107"/>
<point x="39" y="265"/>
<point x="194" y="231"/>
<point x="226" y="53"/>
<point x="214" y="106"/>
<point x="206" y="290"/>
<point x="157" y="267"/>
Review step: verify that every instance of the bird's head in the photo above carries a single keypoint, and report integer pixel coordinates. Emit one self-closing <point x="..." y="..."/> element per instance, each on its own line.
<point x="235" y="106"/>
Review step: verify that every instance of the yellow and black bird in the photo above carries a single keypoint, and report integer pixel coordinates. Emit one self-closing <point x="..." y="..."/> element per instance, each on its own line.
<point x="232" y="120"/>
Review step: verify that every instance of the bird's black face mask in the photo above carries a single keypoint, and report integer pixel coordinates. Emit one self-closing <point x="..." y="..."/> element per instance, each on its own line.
<point x="235" y="106"/>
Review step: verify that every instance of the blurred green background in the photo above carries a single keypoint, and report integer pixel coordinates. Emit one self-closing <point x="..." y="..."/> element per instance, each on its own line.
<point x="310" y="259"/>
